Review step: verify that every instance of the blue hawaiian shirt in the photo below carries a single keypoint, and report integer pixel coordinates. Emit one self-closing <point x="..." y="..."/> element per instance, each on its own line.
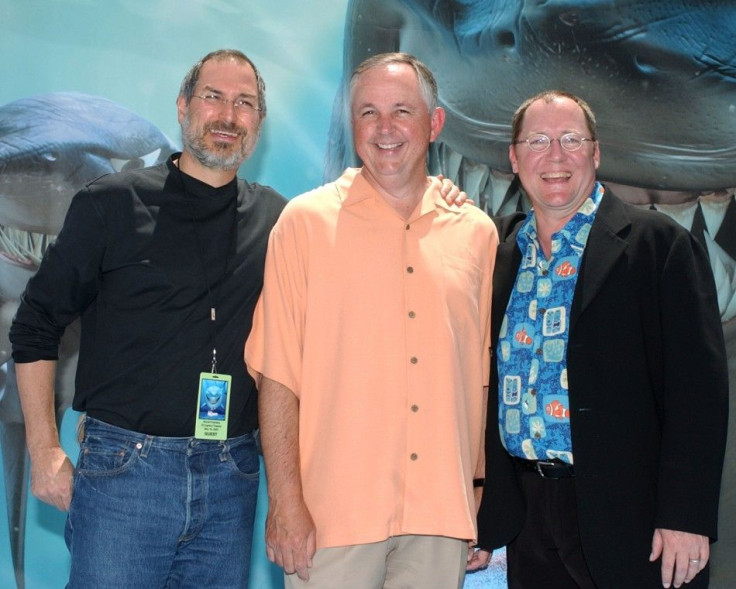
<point x="534" y="407"/>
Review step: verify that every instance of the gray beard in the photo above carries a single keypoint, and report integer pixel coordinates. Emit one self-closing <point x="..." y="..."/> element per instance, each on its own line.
<point x="209" y="159"/>
<point x="213" y="159"/>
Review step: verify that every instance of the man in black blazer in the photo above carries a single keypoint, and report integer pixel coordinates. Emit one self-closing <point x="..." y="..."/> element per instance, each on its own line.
<point x="605" y="449"/>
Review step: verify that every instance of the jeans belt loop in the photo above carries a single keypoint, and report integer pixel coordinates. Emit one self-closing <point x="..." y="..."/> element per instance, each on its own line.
<point x="147" y="443"/>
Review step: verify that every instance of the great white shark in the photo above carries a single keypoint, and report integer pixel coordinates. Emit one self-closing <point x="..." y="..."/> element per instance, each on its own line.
<point x="51" y="145"/>
<point x="661" y="78"/>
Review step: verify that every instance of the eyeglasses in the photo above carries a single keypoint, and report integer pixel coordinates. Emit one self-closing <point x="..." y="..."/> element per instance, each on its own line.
<point x="245" y="105"/>
<point x="568" y="142"/>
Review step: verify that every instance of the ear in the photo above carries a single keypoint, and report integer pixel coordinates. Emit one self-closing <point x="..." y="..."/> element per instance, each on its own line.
<point x="437" y="121"/>
<point x="512" y="159"/>
<point x="181" y="108"/>
<point x="596" y="155"/>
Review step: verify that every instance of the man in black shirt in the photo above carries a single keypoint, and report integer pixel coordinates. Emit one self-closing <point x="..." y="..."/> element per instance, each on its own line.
<point x="164" y="266"/>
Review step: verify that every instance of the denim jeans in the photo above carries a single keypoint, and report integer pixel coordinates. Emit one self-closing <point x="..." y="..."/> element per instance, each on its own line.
<point x="155" y="512"/>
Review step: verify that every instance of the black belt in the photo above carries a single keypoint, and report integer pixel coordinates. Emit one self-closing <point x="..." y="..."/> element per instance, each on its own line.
<point x="548" y="469"/>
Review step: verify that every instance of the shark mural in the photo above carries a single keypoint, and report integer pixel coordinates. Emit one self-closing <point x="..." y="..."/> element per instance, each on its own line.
<point x="50" y="147"/>
<point x="661" y="78"/>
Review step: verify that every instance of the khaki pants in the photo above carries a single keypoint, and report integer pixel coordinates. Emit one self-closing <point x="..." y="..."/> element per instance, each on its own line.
<point x="401" y="562"/>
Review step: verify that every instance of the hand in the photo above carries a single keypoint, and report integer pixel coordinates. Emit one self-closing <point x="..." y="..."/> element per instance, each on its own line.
<point x="683" y="554"/>
<point x="477" y="559"/>
<point x="451" y="193"/>
<point x="52" y="474"/>
<point x="291" y="537"/>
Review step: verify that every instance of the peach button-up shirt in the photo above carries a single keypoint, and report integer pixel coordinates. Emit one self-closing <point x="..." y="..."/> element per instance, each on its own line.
<point x="381" y="327"/>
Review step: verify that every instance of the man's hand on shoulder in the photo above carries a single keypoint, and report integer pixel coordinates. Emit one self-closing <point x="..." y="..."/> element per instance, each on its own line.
<point x="452" y="193"/>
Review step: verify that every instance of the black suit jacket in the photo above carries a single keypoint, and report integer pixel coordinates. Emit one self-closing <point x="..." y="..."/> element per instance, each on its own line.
<point x="648" y="389"/>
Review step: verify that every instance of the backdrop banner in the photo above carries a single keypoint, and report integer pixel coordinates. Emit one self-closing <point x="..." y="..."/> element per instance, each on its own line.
<point x="90" y="87"/>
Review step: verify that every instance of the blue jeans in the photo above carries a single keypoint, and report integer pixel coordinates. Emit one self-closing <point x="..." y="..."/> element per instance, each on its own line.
<point x="155" y="512"/>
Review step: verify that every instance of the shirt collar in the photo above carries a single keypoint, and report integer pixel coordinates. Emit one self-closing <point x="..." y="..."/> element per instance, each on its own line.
<point x="353" y="188"/>
<point x="584" y="215"/>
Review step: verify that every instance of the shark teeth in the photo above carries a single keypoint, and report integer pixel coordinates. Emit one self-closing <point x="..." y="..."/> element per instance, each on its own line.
<point x="705" y="217"/>
<point x="488" y="188"/>
<point x="493" y="192"/>
<point x="23" y="247"/>
<point x="724" y="271"/>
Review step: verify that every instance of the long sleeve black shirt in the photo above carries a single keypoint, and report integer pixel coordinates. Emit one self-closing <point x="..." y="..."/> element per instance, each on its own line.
<point x="142" y="258"/>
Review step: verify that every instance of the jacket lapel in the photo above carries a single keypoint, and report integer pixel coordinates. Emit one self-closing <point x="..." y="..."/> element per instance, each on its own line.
<point x="606" y="244"/>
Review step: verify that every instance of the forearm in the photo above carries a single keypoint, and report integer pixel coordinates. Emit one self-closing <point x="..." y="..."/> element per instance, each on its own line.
<point x="290" y="531"/>
<point x="36" y="391"/>
<point x="279" y="422"/>
<point x="51" y="469"/>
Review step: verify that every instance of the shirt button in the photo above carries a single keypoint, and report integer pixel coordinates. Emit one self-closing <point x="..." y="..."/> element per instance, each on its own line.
<point x="414" y="360"/>
<point x="410" y="270"/>
<point x="408" y="227"/>
<point x="412" y="314"/>
<point x="414" y="456"/>
<point x="415" y="408"/>
<point x="538" y="351"/>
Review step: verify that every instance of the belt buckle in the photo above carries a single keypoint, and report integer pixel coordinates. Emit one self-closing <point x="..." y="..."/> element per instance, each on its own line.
<point x="540" y="467"/>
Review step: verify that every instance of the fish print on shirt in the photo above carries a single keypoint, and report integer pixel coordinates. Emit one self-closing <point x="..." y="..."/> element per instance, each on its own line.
<point x="534" y="406"/>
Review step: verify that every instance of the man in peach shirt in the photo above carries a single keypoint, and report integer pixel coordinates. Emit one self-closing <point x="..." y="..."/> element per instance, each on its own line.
<point x="370" y="347"/>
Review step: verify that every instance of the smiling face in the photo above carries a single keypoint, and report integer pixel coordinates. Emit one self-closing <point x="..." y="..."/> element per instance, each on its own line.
<point x="557" y="181"/>
<point x="220" y="136"/>
<point x="392" y="126"/>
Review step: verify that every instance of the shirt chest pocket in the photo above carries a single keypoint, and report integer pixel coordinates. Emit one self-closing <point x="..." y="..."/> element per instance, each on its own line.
<point x="461" y="280"/>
